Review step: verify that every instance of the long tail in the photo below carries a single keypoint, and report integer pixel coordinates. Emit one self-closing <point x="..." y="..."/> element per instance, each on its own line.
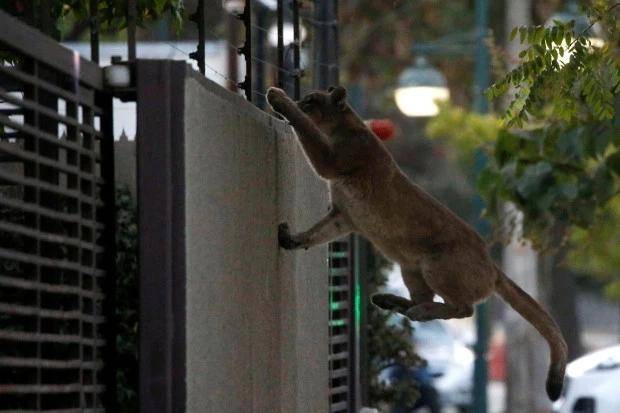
<point x="542" y="321"/>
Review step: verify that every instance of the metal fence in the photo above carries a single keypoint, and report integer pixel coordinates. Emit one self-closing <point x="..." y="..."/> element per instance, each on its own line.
<point x="56" y="227"/>
<point x="343" y="364"/>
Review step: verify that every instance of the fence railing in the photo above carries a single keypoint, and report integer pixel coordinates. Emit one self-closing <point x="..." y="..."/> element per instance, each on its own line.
<point x="56" y="227"/>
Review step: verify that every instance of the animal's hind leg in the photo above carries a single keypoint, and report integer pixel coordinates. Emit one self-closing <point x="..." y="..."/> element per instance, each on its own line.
<point x="419" y="291"/>
<point x="433" y="311"/>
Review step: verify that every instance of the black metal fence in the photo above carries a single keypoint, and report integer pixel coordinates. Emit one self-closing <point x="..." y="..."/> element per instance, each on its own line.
<point x="56" y="227"/>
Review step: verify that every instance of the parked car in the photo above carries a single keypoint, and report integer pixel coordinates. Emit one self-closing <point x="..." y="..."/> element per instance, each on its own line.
<point x="592" y="383"/>
<point x="450" y="363"/>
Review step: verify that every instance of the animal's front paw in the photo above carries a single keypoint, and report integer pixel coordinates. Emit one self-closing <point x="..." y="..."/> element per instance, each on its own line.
<point x="284" y="238"/>
<point x="275" y="96"/>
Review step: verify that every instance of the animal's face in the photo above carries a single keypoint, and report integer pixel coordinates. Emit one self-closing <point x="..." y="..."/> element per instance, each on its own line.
<point x="326" y="109"/>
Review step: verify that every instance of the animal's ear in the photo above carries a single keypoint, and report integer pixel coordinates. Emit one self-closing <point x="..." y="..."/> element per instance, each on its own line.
<point x="331" y="88"/>
<point x="337" y="96"/>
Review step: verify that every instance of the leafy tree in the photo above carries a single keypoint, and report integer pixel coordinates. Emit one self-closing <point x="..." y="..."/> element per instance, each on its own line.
<point x="51" y="15"/>
<point x="561" y="167"/>
<point x="596" y="251"/>
<point x="555" y="152"/>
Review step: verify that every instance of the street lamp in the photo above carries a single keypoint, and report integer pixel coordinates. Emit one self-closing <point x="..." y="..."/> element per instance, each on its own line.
<point x="419" y="89"/>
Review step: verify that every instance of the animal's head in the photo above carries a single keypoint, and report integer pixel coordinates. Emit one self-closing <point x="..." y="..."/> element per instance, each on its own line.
<point x="328" y="110"/>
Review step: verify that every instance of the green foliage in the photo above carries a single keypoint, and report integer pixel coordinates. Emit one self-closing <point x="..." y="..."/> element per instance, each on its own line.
<point x="111" y="13"/>
<point x="561" y="77"/>
<point x="127" y="301"/>
<point x="563" y="165"/>
<point x="387" y="343"/>
<point x="596" y="251"/>
<point x="467" y="131"/>
<point x="556" y="153"/>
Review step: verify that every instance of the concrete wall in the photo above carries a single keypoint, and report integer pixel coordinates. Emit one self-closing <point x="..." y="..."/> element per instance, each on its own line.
<point x="256" y="326"/>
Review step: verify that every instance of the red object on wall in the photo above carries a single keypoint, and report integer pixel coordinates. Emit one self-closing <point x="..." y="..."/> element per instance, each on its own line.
<point x="383" y="128"/>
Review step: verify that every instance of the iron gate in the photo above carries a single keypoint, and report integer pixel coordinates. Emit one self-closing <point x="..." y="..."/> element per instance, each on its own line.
<point x="344" y="327"/>
<point x="56" y="227"/>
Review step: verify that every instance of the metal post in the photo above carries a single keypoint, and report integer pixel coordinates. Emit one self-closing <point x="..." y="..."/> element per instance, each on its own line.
<point x="199" y="18"/>
<point x="131" y="29"/>
<point x="325" y="47"/>
<point x="246" y="50"/>
<point x="481" y="82"/>
<point x="93" y="22"/>
<point x="482" y="68"/>
<point x="233" y="74"/>
<point x="280" y="18"/>
<point x="296" y="50"/>
<point x="259" y="74"/>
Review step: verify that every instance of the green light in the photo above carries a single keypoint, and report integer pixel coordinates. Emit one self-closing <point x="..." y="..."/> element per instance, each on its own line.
<point x="357" y="312"/>
<point x="337" y="323"/>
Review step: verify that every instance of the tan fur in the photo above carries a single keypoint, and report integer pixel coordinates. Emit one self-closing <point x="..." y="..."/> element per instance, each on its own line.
<point x="438" y="252"/>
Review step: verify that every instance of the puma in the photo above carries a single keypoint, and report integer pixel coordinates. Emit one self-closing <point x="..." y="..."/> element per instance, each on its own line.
<point x="437" y="251"/>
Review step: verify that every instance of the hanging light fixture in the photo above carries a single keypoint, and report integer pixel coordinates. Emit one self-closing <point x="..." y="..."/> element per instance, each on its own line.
<point x="419" y="89"/>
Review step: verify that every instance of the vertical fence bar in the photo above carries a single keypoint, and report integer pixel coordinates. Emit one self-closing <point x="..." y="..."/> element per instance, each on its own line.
<point x="261" y="21"/>
<point x="199" y="18"/>
<point x="131" y="29"/>
<point x="296" y="49"/>
<point x="233" y="73"/>
<point x="280" y="19"/>
<point x="108" y="195"/>
<point x="335" y="41"/>
<point x="246" y="50"/>
<point x="93" y="22"/>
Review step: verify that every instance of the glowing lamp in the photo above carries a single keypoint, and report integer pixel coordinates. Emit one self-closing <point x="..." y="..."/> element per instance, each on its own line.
<point x="419" y="89"/>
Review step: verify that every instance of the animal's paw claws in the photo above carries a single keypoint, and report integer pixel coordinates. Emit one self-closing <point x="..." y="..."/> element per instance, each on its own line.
<point x="284" y="237"/>
<point x="273" y="94"/>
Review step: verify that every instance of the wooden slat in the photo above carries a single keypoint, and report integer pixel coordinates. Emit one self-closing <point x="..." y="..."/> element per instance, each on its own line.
<point x="49" y="388"/>
<point x="338" y="356"/>
<point x="49" y="364"/>
<point x="51" y="338"/>
<point x="45" y="313"/>
<point x="50" y="288"/>
<point x="338" y="407"/>
<point x="338" y="390"/>
<point x="54" y="263"/>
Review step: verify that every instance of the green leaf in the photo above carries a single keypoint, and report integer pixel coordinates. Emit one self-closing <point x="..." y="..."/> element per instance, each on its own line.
<point x="613" y="162"/>
<point x="568" y="190"/>
<point x="570" y="145"/>
<point x="603" y="183"/>
<point x="513" y="33"/>
<point x="533" y="178"/>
